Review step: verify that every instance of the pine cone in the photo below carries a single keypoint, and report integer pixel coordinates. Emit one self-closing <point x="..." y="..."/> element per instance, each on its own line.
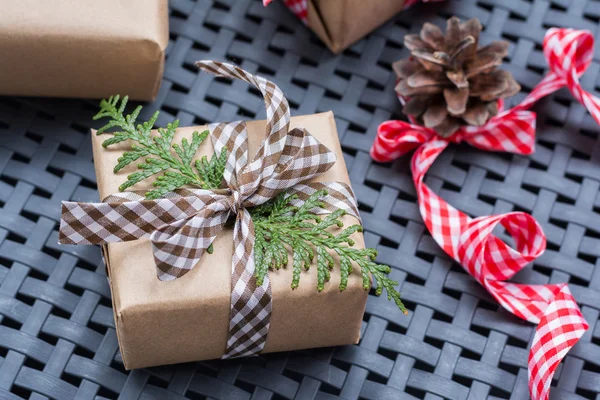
<point x="448" y="82"/>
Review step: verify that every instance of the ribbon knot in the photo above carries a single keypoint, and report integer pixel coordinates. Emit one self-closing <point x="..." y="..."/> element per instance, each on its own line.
<point x="471" y="242"/>
<point x="235" y="202"/>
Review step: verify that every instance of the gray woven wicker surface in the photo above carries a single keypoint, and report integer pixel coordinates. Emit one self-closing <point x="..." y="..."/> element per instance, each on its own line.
<point x="57" y="337"/>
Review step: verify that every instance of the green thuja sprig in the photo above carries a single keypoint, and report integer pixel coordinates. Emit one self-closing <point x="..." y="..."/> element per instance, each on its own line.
<point x="280" y="225"/>
<point x="158" y="152"/>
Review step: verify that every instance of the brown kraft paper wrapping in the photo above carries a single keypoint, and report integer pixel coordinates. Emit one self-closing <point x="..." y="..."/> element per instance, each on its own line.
<point x="187" y="319"/>
<point x="340" y="23"/>
<point x="84" y="49"/>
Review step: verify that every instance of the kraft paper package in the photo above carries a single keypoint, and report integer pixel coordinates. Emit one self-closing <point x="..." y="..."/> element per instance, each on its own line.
<point x="82" y="49"/>
<point x="187" y="319"/>
<point x="340" y="23"/>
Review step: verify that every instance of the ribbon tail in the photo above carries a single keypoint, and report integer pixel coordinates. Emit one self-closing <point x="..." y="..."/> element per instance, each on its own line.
<point x="122" y="218"/>
<point x="490" y="260"/>
<point x="560" y="327"/>
<point x="251" y="303"/>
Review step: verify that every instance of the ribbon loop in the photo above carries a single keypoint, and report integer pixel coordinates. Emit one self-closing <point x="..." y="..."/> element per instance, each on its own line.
<point x="484" y="254"/>
<point x="568" y="52"/>
<point x="179" y="245"/>
<point x="277" y="107"/>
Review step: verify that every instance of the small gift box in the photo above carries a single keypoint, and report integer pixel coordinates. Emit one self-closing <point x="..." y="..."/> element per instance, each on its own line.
<point x="340" y="23"/>
<point x="205" y="306"/>
<point x="88" y="49"/>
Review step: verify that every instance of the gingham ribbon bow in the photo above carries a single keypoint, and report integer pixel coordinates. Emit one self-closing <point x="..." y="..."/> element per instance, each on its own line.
<point x="300" y="7"/>
<point x="471" y="242"/>
<point x="183" y="224"/>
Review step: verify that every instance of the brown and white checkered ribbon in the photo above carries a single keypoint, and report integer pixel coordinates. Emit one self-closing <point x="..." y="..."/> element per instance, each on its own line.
<point x="183" y="224"/>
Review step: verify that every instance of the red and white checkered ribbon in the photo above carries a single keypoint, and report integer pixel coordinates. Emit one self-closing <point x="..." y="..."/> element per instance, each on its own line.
<point x="471" y="242"/>
<point x="300" y="7"/>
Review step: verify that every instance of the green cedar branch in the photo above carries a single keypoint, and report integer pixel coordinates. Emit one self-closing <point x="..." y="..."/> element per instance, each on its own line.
<point x="171" y="163"/>
<point x="280" y="225"/>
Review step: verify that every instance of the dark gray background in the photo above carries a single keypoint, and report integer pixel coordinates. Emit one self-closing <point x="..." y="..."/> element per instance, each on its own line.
<point x="57" y="336"/>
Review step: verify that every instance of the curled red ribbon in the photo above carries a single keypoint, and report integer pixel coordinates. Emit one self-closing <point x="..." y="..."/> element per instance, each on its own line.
<point x="471" y="242"/>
